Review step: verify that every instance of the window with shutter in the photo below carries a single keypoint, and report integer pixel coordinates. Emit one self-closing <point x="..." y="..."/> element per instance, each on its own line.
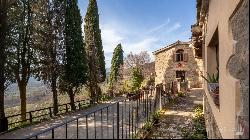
<point x="179" y="55"/>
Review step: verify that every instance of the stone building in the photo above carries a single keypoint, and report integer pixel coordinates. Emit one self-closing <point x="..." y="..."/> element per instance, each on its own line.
<point x="221" y="37"/>
<point x="177" y="62"/>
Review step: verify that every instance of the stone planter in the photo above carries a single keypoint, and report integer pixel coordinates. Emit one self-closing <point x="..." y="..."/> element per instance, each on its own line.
<point x="212" y="87"/>
<point x="215" y="96"/>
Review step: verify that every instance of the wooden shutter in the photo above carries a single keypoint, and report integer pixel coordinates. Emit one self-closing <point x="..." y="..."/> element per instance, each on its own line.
<point x="174" y="57"/>
<point x="185" y="57"/>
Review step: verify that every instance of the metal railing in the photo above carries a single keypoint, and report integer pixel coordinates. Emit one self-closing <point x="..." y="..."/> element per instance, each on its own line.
<point x="118" y="120"/>
<point x="15" y="121"/>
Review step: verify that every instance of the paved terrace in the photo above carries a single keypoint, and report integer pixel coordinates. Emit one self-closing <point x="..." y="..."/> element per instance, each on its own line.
<point x="95" y="129"/>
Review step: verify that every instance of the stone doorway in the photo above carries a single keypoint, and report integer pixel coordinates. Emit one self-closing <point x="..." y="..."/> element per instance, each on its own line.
<point x="181" y="76"/>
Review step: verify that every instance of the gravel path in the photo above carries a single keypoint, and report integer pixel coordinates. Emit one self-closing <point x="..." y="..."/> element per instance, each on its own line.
<point x="176" y="116"/>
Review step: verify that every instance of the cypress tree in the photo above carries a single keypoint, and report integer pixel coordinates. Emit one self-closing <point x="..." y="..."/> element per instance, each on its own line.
<point x="116" y="63"/>
<point x="51" y="47"/>
<point x="94" y="49"/>
<point x="75" y="68"/>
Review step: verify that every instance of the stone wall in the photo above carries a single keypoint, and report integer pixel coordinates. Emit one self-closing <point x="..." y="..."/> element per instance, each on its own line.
<point x="212" y="129"/>
<point x="166" y="68"/>
<point x="239" y="63"/>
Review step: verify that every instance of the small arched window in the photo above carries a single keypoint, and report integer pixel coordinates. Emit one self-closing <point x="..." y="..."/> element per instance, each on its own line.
<point x="179" y="55"/>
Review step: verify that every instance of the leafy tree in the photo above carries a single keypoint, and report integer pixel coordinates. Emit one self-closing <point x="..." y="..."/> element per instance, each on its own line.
<point x="5" y="78"/>
<point x="51" y="47"/>
<point x="75" y="68"/>
<point x="116" y="63"/>
<point x="3" y="30"/>
<point x="94" y="50"/>
<point x="137" y="78"/>
<point x="21" y="50"/>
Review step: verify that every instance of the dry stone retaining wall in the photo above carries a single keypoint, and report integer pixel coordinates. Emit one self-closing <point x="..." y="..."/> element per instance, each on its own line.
<point x="212" y="129"/>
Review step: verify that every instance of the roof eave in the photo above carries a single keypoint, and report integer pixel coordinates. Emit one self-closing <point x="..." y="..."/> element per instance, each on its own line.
<point x="170" y="46"/>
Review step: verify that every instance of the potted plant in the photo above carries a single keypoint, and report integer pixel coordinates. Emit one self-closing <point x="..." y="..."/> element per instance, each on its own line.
<point x="213" y="86"/>
<point x="213" y="81"/>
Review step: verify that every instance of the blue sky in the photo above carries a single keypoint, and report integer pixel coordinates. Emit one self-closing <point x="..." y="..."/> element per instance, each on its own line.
<point x="142" y="25"/>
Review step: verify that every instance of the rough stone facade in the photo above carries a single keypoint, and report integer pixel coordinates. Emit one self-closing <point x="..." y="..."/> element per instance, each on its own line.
<point x="166" y="66"/>
<point x="212" y="129"/>
<point x="239" y="64"/>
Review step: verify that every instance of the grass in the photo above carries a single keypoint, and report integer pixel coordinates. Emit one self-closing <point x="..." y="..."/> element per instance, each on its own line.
<point x="39" y="119"/>
<point x="62" y="99"/>
<point x="148" y="126"/>
<point x="156" y="116"/>
<point x="45" y="103"/>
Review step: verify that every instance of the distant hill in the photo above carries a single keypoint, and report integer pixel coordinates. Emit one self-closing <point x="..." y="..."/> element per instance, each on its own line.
<point x="33" y="86"/>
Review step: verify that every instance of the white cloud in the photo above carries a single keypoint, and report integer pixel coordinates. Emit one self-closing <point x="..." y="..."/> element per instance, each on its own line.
<point x="141" y="45"/>
<point x="157" y="28"/>
<point x="173" y="28"/>
<point x="134" y="41"/>
<point x="110" y="38"/>
<point x="185" y="33"/>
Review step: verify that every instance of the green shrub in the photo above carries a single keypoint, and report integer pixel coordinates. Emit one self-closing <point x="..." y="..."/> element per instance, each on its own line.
<point x="156" y="115"/>
<point x="199" y="130"/>
<point x="125" y="87"/>
<point x="137" y="78"/>
<point x="105" y="97"/>
<point x="148" y="126"/>
<point x="181" y="94"/>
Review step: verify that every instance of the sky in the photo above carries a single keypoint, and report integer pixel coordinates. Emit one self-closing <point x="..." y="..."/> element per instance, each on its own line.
<point x="142" y="25"/>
